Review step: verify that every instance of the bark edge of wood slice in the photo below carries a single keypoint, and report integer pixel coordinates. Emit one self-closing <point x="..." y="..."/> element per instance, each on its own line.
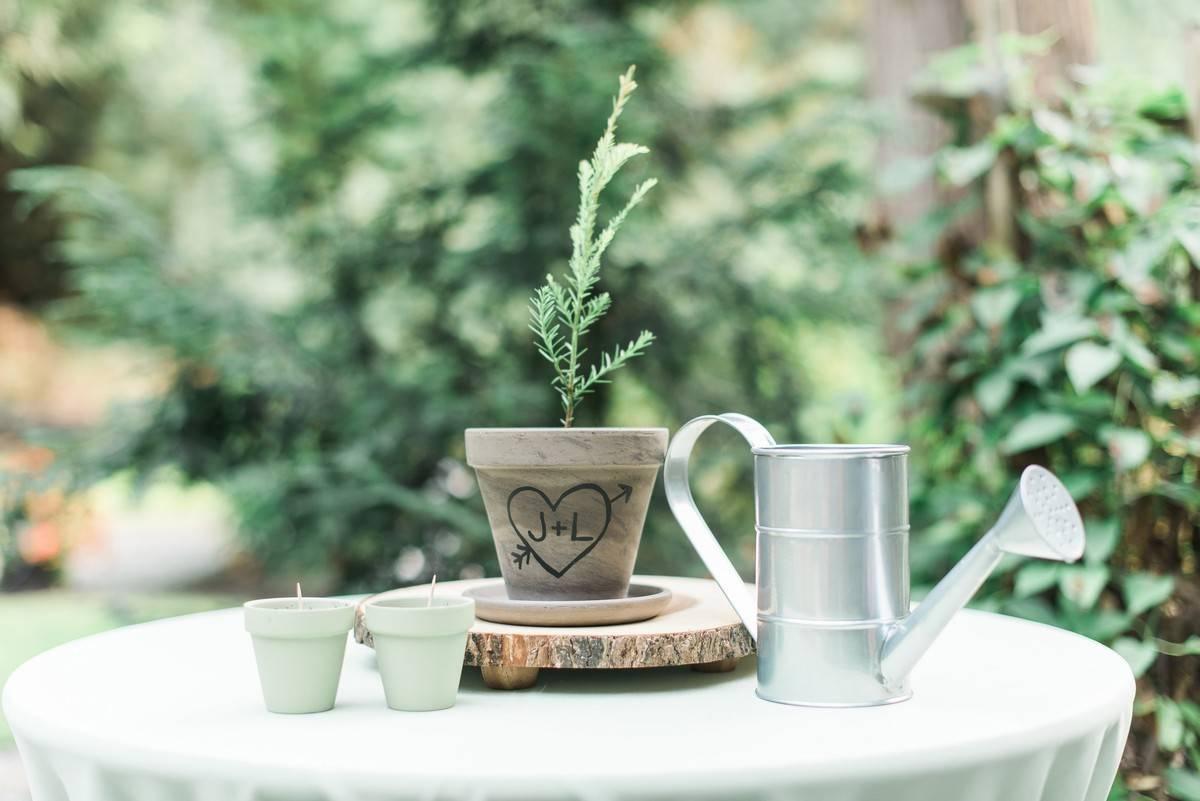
<point x="698" y="628"/>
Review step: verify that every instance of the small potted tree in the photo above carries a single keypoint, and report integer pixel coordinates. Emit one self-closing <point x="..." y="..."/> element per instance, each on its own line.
<point x="567" y="505"/>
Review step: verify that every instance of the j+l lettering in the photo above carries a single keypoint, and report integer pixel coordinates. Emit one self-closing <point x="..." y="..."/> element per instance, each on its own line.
<point x="559" y="528"/>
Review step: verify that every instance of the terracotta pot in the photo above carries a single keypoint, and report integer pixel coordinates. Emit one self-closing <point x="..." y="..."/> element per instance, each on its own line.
<point x="566" y="505"/>
<point x="419" y="646"/>
<point x="299" y="651"/>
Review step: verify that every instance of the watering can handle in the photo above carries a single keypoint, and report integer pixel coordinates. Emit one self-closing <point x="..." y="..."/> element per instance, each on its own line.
<point x="679" y="496"/>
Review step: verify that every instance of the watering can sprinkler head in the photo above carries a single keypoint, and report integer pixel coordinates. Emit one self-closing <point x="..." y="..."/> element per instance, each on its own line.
<point x="1040" y="520"/>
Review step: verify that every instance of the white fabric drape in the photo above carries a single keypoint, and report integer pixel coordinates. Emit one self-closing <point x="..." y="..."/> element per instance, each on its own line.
<point x="1003" y="710"/>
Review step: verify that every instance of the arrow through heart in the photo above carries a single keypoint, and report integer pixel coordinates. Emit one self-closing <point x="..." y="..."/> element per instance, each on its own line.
<point x="559" y="533"/>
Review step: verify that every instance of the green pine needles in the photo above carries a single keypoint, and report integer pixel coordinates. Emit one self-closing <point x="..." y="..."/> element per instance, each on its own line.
<point x="563" y="313"/>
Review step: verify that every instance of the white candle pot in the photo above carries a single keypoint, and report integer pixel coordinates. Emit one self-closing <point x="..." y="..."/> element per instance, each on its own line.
<point x="420" y="649"/>
<point x="299" y="648"/>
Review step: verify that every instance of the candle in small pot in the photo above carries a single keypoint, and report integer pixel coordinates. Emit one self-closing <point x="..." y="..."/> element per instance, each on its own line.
<point x="419" y="645"/>
<point x="299" y="645"/>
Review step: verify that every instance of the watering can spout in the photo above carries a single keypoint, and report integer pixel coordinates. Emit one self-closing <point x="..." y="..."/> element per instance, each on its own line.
<point x="1040" y="520"/>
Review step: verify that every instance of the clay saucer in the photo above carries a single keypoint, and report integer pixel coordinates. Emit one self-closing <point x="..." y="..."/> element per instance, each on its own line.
<point x="643" y="602"/>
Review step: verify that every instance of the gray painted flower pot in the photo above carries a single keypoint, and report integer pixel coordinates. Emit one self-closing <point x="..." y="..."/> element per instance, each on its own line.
<point x="566" y="505"/>
<point x="299" y="651"/>
<point x="420" y="649"/>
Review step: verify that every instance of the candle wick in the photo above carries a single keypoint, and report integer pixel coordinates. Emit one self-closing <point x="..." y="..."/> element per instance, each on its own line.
<point x="299" y="597"/>
<point x="432" y="587"/>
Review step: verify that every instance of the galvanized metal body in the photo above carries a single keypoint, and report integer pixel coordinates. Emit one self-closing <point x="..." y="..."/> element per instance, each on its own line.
<point x="832" y="569"/>
<point x="831" y="612"/>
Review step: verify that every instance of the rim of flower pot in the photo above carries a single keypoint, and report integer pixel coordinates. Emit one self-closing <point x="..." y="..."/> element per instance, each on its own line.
<point x="571" y="430"/>
<point x="416" y="617"/>
<point x="280" y="618"/>
<point x="591" y="447"/>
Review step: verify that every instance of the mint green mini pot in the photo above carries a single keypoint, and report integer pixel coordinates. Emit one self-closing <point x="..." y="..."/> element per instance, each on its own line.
<point x="420" y="649"/>
<point x="299" y="651"/>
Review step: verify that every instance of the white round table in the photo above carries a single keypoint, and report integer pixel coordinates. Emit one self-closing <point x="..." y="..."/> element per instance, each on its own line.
<point x="1004" y="710"/>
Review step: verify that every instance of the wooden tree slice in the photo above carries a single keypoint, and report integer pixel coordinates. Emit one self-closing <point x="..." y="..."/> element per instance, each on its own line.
<point x="698" y="628"/>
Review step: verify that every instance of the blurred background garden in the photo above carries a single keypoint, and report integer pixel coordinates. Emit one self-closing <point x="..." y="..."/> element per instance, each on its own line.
<point x="262" y="261"/>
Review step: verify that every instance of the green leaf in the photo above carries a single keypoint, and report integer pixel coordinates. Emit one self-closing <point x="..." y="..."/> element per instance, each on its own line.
<point x="1135" y="264"/>
<point x="1039" y="428"/>
<point x="962" y="165"/>
<point x="1088" y="363"/>
<point x="1189" y="238"/>
<point x="1129" y="447"/>
<point x="1034" y="609"/>
<point x="1082" y="584"/>
<point x="1139" y="654"/>
<point x="1168" y="725"/>
<point x="1035" y="577"/>
<point x="1037" y="369"/>
<point x="1168" y="104"/>
<point x="1057" y="332"/>
<point x="1133" y="349"/>
<point x="1169" y="389"/>
<point x="1186" y="495"/>
<point x="1173" y="346"/>
<point x="1102" y="538"/>
<point x="1103" y="624"/>
<point x="994" y="391"/>
<point x="1131" y="346"/>
<point x="994" y="306"/>
<point x="1191" y="714"/>
<point x="1145" y="591"/>
<point x="1054" y="125"/>
<point x="1140" y="181"/>
<point x="1183" y="784"/>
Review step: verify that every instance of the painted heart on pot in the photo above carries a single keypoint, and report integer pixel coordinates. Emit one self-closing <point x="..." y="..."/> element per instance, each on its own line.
<point x="559" y="533"/>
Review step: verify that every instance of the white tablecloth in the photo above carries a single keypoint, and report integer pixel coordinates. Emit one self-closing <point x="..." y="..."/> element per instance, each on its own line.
<point x="1004" y="710"/>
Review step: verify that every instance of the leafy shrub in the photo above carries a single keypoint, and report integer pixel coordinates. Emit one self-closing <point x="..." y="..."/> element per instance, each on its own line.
<point x="1062" y="327"/>
<point x="391" y="193"/>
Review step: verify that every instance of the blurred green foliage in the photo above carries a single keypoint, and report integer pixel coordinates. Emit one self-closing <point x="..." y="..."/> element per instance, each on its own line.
<point x="327" y="219"/>
<point x="1073" y="343"/>
<point x="336" y="252"/>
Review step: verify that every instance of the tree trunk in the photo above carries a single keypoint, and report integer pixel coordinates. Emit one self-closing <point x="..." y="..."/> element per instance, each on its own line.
<point x="1191" y="76"/>
<point x="1075" y="25"/>
<point x="902" y="35"/>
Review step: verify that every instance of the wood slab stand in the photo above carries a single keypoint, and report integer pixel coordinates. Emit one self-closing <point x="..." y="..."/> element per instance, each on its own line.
<point x="698" y="628"/>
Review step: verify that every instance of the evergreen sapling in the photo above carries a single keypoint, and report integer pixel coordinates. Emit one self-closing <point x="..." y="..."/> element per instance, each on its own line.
<point x="563" y="313"/>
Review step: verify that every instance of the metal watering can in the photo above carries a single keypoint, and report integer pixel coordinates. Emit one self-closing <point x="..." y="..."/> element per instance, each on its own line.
<point x="832" y="620"/>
